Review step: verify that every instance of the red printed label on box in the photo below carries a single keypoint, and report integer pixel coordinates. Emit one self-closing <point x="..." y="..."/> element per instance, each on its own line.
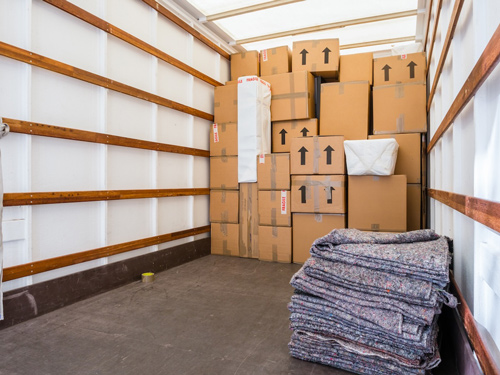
<point x="264" y="55"/>
<point x="283" y="202"/>
<point x="262" y="159"/>
<point x="403" y="57"/>
<point x="216" y="133"/>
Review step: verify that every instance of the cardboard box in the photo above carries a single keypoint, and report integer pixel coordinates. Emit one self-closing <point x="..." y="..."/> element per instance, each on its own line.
<point x="318" y="194"/>
<point x="224" y="239"/>
<point x="414" y="199"/>
<point x="224" y="206"/>
<point x="345" y="109"/>
<point x="377" y="203"/>
<point x="356" y="67"/>
<point x="317" y="155"/>
<point x="284" y="131"/>
<point x="292" y="96"/>
<point x="224" y="139"/>
<point x="275" y="244"/>
<point x="244" y="64"/>
<point x="249" y="221"/>
<point x="399" y="109"/>
<point x="274" y="208"/>
<point x="320" y="57"/>
<point x="225" y="104"/>
<point x="276" y="60"/>
<point x="273" y="172"/>
<point x="224" y="172"/>
<point x="409" y="156"/>
<point x="399" y="69"/>
<point x="309" y="227"/>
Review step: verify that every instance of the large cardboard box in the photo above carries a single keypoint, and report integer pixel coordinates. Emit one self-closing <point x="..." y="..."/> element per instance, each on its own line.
<point x="224" y="172"/>
<point x="318" y="194"/>
<point x="224" y="239"/>
<point x="276" y="60"/>
<point x="320" y="57"/>
<point x="275" y="244"/>
<point x="399" y="109"/>
<point x="224" y="206"/>
<point x="399" y="69"/>
<point x="414" y="199"/>
<point x="226" y="104"/>
<point x="345" y="109"/>
<point x="377" y="203"/>
<point x="356" y="67"/>
<point x="274" y="208"/>
<point x="317" y="155"/>
<point x="409" y="157"/>
<point x="273" y="172"/>
<point x="249" y="221"/>
<point x="292" y="96"/>
<point x="309" y="227"/>
<point x="224" y="139"/>
<point x="244" y="64"/>
<point x="284" y="131"/>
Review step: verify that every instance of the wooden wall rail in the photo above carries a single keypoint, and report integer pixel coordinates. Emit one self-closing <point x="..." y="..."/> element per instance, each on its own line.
<point x="28" y="269"/>
<point x="481" y="71"/>
<point x="172" y="17"/>
<point x="455" y="15"/>
<point x="31" y="58"/>
<point x="34" y="128"/>
<point x="35" y="198"/>
<point x="483" y="355"/>
<point x="481" y="210"/>
<point x="427" y="31"/>
<point x="123" y="35"/>
<point x="434" y="32"/>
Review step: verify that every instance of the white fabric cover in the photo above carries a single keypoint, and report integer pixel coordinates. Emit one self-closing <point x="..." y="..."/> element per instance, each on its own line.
<point x="371" y="157"/>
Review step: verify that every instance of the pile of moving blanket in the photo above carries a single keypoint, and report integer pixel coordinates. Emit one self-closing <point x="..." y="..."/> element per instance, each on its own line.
<point x="368" y="302"/>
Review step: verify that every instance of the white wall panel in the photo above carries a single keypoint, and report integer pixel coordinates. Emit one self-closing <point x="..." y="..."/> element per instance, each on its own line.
<point x="129" y="117"/>
<point x="132" y="16"/>
<point x="128" y="168"/>
<point x="201" y="210"/>
<point x="124" y="227"/>
<point x="201" y="173"/>
<point x="14" y="85"/>
<point x="203" y="96"/>
<point x="174" y="127"/>
<point x="173" y="40"/>
<point x="92" y="6"/>
<point x="225" y="70"/>
<point x="15" y="22"/>
<point x="205" y="59"/>
<point x="201" y="133"/>
<point x="174" y="214"/>
<point x="174" y="171"/>
<point x="174" y="84"/>
<point x="14" y="162"/>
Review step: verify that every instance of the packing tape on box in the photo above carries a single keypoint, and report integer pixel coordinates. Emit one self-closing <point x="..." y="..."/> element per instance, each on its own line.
<point x="243" y="54"/>
<point x="318" y="218"/>
<point x="235" y="102"/>
<point x="399" y="91"/>
<point x="225" y="250"/>
<point x="273" y="171"/>
<point x="222" y="127"/>
<point x="313" y="67"/>
<point x="274" y="231"/>
<point x="292" y="101"/>
<point x="293" y="124"/>
<point x="216" y="104"/>
<point x="148" y="277"/>
<point x="375" y="227"/>
<point x="223" y="196"/>
<point x="273" y="216"/>
<point x="275" y="252"/>
<point x="316" y="198"/>
<point x="315" y="43"/>
<point x="341" y="88"/>
<point x="223" y="229"/>
<point x="274" y="70"/>
<point x="316" y="154"/>
<point x="224" y="159"/>
<point x="224" y="216"/>
<point x="223" y="151"/>
<point x="273" y="195"/>
<point x="328" y="190"/>
<point x="400" y="123"/>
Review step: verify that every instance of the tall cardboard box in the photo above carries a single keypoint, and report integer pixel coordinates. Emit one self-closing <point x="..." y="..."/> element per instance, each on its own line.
<point x="356" y="67"/>
<point x="274" y="208"/>
<point x="226" y="104"/>
<point x="275" y="61"/>
<point x="377" y="203"/>
<point x="309" y="227"/>
<point x="414" y="199"/>
<point x="317" y="155"/>
<point x="224" y="139"/>
<point x="244" y="64"/>
<point x="284" y="131"/>
<point x="292" y="96"/>
<point x="345" y="109"/>
<point x="320" y="57"/>
<point x="409" y="156"/>
<point x="399" y="69"/>
<point x="318" y="194"/>
<point x="225" y="239"/>
<point x="273" y="172"/>
<point x="224" y="172"/>
<point x="224" y="206"/>
<point x="399" y="108"/>
<point x="275" y="244"/>
<point x="249" y="221"/>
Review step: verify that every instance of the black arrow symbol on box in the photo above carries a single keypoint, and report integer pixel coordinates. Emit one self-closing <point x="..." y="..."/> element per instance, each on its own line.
<point x="304" y="132"/>
<point x="304" y="53"/>
<point x="329" y="150"/>
<point x="326" y="51"/>
<point x="386" y="72"/>
<point x="330" y="200"/>
<point x="283" y="132"/>
<point x="412" y="66"/>
<point x="303" y="151"/>
<point x="303" y="194"/>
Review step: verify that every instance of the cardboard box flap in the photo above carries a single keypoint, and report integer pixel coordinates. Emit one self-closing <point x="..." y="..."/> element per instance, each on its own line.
<point x="371" y="157"/>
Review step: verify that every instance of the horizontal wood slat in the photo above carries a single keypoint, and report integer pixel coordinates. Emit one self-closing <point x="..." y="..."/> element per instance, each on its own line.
<point x="481" y="210"/>
<point x="40" y="61"/>
<point x="34" y="128"/>
<point x="28" y="269"/>
<point x="481" y="71"/>
<point x="434" y="32"/>
<point x="34" y="198"/>
<point x="183" y="25"/>
<point x="455" y="15"/>
<point x="123" y="35"/>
